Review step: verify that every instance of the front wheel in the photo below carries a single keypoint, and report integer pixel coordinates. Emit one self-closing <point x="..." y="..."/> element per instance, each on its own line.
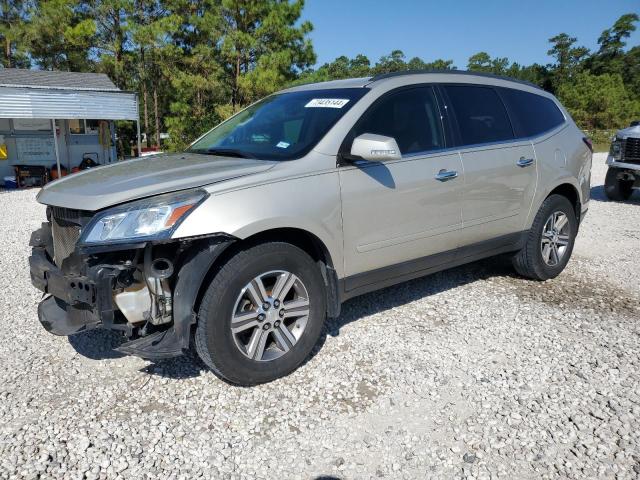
<point x="616" y="188"/>
<point x="550" y="240"/>
<point x="262" y="314"/>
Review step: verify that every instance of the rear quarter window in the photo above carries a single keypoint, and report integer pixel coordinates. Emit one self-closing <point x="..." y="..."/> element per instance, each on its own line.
<point x="480" y="114"/>
<point x="531" y="114"/>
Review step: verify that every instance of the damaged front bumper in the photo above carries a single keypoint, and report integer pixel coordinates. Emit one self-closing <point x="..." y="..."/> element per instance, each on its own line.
<point x="78" y="300"/>
<point x="80" y="292"/>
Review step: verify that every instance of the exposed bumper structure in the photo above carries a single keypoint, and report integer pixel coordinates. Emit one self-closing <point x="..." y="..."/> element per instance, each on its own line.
<point x="77" y="301"/>
<point x="80" y="293"/>
<point x="59" y="319"/>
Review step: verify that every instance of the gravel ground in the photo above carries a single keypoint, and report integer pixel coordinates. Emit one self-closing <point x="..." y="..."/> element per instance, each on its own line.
<point x="470" y="373"/>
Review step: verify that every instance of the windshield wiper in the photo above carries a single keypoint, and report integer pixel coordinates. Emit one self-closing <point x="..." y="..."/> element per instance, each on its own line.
<point x="229" y="152"/>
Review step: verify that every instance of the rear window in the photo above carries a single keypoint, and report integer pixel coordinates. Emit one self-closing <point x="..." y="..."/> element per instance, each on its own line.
<point x="480" y="114"/>
<point x="531" y="114"/>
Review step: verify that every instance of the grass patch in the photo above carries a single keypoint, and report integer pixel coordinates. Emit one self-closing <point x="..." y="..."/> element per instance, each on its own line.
<point x="601" y="147"/>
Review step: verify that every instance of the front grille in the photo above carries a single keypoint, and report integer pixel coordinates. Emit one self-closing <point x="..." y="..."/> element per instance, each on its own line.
<point x="66" y="225"/>
<point x="65" y="237"/>
<point x="631" y="150"/>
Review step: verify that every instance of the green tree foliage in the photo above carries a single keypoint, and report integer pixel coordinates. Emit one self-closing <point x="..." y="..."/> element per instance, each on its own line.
<point x="360" y="66"/>
<point x="111" y="44"/>
<point x="599" y="101"/>
<point x="199" y="96"/>
<point x="227" y="54"/>
<point x="601" y="90"/>
<point x="569" y="59"/>
<point x="262" y="46"/>
<point x="610" y="57"/>
<point x="13" y="22"/>
<point x="631" y="71"/>
<point x="195" y="62"/>
<point x="60" y="35"/>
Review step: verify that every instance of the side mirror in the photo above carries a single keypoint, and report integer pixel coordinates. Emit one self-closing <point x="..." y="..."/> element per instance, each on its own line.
<point x="375" y="148"/>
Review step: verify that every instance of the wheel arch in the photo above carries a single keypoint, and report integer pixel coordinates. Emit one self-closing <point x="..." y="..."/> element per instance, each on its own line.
<point x="566" y="187"/>
<point x="570" y="192"/>
<point x="303" y="239"/>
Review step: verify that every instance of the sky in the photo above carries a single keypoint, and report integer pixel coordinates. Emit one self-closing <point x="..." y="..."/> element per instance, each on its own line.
<point x="430" y="29"/>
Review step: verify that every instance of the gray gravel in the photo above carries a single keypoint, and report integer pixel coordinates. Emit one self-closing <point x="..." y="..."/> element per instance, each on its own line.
<point x="469" y="373"/>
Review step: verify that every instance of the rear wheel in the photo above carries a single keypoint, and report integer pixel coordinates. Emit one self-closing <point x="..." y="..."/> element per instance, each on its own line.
<point x="262" y="314"/>
<point x="550" y="240"/>
<point x="616" y="188"/>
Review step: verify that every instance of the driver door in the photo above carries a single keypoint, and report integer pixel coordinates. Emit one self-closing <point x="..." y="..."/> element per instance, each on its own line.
<point x="401" y="216"/>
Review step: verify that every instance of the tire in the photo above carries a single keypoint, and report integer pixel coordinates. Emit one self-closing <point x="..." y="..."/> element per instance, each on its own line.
<point x="616" y="189"/>
<point x="228" y="298"/>
<point x="529" y="261"/>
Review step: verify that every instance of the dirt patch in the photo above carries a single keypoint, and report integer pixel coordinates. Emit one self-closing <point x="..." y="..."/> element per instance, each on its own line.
<point x="570" y="291"/>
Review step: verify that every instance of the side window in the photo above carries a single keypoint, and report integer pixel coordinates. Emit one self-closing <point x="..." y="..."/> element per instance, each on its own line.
<point x="480" y="113"/>
<point x="532" y="114"/>
<point x="410" y="116"/>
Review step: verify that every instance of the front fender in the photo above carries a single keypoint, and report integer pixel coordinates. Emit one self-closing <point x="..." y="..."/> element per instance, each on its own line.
<point x="310" y="203"/>
<point x="189" y="282"/>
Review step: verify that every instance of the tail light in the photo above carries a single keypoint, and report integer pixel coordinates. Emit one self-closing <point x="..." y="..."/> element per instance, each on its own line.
<point x="588" y="143"/>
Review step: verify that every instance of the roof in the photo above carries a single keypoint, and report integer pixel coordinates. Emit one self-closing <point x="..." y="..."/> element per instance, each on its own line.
<point x="453" y="72"/>
<point x="345" y="83"/>
<point x="16" y="77"/>
<point x="442" y="75"/>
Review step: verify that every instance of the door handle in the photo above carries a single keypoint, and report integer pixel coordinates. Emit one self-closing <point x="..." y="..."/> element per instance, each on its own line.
<point x="444" y="175"/>
<point x="524" y="162"/>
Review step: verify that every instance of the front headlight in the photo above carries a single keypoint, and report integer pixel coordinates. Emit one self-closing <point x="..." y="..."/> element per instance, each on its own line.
<point x="616" y="148"/>
<point x="147" y="219"/>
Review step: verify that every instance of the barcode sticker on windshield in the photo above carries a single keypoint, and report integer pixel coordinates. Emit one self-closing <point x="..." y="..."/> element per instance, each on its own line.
<point x="327" y="103"/>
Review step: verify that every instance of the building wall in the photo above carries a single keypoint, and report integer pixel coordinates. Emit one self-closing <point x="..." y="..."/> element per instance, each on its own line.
<point x="71" y="147"/>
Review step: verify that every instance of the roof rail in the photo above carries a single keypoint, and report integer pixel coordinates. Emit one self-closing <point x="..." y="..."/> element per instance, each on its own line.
<point x="456" y="72"/>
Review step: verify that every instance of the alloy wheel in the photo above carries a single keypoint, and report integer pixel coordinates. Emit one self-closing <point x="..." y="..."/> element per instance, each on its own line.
<point x="270" y="315"/>
<point x="555" y="238"/>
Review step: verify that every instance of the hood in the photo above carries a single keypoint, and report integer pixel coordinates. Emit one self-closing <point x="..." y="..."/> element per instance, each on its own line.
<point x="630" y="132"/>
<point x="102" y="187"/>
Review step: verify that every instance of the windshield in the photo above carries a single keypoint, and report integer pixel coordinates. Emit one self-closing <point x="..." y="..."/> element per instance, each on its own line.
<point x="280" y="127"/>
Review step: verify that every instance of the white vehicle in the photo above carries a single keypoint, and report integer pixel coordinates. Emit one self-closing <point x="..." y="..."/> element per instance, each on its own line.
<point x="623" y="174"/>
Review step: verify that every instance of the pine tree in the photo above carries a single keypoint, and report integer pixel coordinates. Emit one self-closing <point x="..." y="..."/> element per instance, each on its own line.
<point x="60" y="35"/>
<point x="569" y="59"/>
<point x="263" y="48"/>
<point x="13" y="22"/>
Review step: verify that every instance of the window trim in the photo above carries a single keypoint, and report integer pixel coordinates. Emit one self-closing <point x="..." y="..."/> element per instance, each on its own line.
<point x="344" y="152"/>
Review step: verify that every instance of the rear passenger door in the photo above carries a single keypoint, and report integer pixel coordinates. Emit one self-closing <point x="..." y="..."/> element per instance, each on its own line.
<point x="499" y="170"/>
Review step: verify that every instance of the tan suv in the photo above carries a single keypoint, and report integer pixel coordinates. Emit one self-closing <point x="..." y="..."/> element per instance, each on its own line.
<point x="241" y="246"/>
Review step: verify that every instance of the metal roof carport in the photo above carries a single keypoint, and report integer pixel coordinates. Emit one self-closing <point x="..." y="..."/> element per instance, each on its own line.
<point x="64" y="95"/>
